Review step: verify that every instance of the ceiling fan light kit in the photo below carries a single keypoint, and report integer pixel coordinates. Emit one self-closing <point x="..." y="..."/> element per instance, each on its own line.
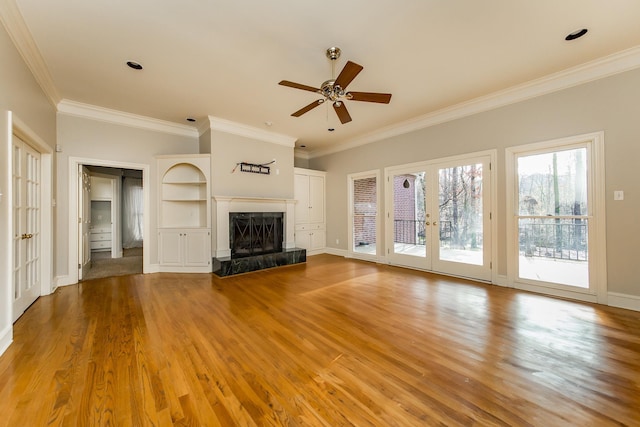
<point x="334" y="89"/>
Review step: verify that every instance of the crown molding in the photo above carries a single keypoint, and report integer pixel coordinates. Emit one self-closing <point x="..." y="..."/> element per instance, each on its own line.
<point x="94" y="112"/>
<point x="240" y="129"/>
<point x="607" y="66"/>
<point x="25" y="45"/>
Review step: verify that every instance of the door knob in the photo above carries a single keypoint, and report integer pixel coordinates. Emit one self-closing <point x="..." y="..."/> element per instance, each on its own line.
<point x="428" y="223"/>
<point x="434" y="223"/>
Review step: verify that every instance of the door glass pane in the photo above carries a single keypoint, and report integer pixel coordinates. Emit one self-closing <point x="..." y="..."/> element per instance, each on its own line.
<point x="552" y="247"/>
<point x="365" y="209"/>
<point x="460" y="208"/>
<point x="409" y="214"/>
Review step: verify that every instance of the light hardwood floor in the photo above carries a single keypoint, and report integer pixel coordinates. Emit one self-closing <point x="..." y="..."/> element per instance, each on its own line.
<point x="330" y="343"/>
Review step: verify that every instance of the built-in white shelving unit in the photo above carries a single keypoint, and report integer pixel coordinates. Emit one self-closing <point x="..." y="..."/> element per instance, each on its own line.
<point x="184" y="213"/>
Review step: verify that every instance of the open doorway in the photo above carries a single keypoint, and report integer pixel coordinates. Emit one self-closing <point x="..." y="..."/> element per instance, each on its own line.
<point x="111" y="208"/>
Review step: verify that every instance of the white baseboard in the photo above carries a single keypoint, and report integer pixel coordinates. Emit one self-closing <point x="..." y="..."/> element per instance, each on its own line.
<point x="334" y="251"/>
<point x="630" y="302"/>
<point x="502" y="281"/>
<point x="63" y="281"/>
<point x="169" y="269"/>
<point x="6" y="338"/>
<point x="153" y="268"/>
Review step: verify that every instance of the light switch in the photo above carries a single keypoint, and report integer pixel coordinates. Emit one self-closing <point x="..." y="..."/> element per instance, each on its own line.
<point x="618" y="195"/>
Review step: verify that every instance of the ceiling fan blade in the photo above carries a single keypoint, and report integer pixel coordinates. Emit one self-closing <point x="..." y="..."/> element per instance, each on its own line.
<point x="298" y="86"/>
<point x="382" y="98"/>
<point x="348" y="73"/>
<point x="309" y="107"/>
<point x="341" y="111"/>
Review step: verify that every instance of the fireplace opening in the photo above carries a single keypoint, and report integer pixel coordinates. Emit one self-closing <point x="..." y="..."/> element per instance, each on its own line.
<point x="255" y="233"/>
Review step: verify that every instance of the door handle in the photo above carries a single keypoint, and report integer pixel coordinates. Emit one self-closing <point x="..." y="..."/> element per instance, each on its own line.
<point x="434" y="223"/>
<point x="427" y="223"/>
<point x="27" y="236"/>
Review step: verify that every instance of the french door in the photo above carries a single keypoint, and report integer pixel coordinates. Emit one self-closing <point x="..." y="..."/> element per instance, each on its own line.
<point x="439" y="216"/>
<point x="84" y="220"/>
<point x="26" y="226"/>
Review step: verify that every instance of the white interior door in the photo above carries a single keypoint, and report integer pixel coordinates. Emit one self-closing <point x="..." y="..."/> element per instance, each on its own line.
<point x="26" y="226"/>
<point x="84" y="221"/>
<point x="439" y="218"/>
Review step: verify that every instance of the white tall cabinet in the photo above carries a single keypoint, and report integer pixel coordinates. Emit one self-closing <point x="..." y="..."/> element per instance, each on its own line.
<point x="184" y="213"/>
<point x="105" y="214"/>
<point x="309" y="192"/>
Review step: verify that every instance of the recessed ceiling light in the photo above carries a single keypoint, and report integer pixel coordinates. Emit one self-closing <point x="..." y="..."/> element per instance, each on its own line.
<point x="191" y="119"/>
<point x="576" y="34"/>
<point x="331" y="129"/>
<point x="303" y="146"/>
<point x="268" y="123"/>
<point x="134" y="65"/>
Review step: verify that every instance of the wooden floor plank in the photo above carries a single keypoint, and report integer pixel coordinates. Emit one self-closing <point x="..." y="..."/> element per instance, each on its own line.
<point x="328" y="343"/>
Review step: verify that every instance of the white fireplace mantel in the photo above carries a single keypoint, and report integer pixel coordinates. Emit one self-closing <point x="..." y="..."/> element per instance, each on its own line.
<point x="225" y="204"/>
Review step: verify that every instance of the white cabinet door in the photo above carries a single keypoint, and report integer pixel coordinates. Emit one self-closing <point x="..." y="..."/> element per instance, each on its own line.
<point x="185" y="248"/>
<point x="311" y="237"/>
<point x="301" y="194"/>
<point x="196" y="248"/>
<point x="316" y="199"/>
<point x="302" y="239"/>
<point x="310" y="228"/>
<point x="170" y="246"/>
<point x="317" y="239"/>
<point x="101" y="188"/>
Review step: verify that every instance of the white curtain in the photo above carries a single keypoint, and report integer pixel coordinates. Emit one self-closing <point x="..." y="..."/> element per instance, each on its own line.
<point x="132" y="211"/>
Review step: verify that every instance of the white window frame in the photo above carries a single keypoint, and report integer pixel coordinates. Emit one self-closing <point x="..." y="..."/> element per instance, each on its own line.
<point x="594" y="142"/>
<point x="379" y="210"/>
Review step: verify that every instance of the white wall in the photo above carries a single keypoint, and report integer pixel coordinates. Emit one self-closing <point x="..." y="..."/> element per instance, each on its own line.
<point x="609" y="105"/>
<point x="21" y="95"/>
<point x="86" y="138"/>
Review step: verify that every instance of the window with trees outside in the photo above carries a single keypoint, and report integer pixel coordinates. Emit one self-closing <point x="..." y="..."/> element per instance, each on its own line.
<point x="556" y="217"/>
<point x="553" y="217"/>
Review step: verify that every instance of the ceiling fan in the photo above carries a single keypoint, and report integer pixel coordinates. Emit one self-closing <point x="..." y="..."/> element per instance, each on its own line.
<point x="334" y="90"/>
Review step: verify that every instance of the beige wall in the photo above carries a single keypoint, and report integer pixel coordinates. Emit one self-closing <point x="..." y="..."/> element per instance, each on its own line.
<point x="610" y="105"/>
<point x="20" y="94"/>
<point x="228" y="149"/>
<point x="92" y="139"/>
<point x="300" y="162"/>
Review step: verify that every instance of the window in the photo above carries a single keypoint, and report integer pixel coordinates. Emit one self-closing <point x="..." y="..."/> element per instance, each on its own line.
<point x="364" y="196"/>
<point x="556" y="210"/>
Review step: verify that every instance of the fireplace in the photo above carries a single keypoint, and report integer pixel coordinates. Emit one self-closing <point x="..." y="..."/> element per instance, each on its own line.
<point x="255" y="233"/>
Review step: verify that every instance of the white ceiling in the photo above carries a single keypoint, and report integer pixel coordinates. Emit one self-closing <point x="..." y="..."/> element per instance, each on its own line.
<point x="224" y="58"/>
